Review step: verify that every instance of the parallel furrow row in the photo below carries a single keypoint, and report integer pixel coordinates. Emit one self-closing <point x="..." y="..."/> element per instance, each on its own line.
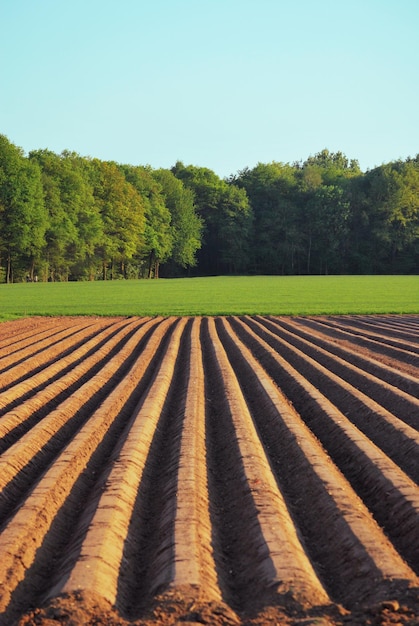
<point x="266" y="554"/>
<point x="340" y="534"/>
<point x="366" y="361"/>
<point x="316" y="363"/>
<point x="405" y="351"/>
<point x="391" y="496"/>
<point x="27" y="458"/>
<point x="241" y="461"/>
<point x="63" y="371"/>
<point x="22" y="539"/>
<point x="14" y="339"/>
<point x="45" y="348"/>
<point x="30" y="361"/>
<point x="384" y="326"/>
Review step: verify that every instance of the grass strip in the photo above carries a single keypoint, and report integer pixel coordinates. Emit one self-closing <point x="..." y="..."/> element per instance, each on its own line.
<point x="219" y="295"/>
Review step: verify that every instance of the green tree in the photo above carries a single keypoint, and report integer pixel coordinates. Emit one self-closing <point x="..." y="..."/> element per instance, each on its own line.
<point x="393" y="211"/>
<point x="226" y="216"/>
<point x="122" y="210"/>
<point x="75" y="225"/>
<point x="325" y="182"/>
<point x="273" y="192"/>
<point x="158" y="237"/>
<point x="326" y="219"/>
<point x="332" y="166"/>
<point x="186" y="225"/>
<point x="23" y="218"/>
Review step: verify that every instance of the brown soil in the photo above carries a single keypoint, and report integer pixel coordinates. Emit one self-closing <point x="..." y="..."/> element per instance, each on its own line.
<point x="223" y="471"/>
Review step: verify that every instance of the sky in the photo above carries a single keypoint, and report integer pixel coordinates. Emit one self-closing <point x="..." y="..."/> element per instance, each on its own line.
<point x="223" y="84"/>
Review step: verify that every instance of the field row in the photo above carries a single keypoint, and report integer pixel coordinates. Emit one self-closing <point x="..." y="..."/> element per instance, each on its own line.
<point x="253" y="465"/>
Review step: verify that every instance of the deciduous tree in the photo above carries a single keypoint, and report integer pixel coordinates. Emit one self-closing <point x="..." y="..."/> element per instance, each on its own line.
<point x="23" y="218"/>
<point x="186" y="225"/>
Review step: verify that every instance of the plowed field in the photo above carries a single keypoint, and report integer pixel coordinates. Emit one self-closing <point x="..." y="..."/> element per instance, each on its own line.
<point x="228" y="470"/>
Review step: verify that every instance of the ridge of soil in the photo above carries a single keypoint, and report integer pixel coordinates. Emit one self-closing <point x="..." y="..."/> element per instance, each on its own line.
<point x="252" y="470"/>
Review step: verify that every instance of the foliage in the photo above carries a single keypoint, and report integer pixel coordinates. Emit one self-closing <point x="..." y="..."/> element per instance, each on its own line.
<point x="121" y="210"/>
<point x="75" y="226"/>
<point x="273" y="194"/>
<point x="226" y="215"/>
<point x="158" y="239"/>
<point x="66" y="217"/>
<point x="23" y="219"/>
<point x="185" y="223"/>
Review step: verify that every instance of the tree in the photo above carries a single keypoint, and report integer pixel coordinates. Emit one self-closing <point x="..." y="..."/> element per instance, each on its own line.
<point x="273" y="193"/>
<point x="326" y="219"/>
<point x="75" y="226"/>
<point x="393" y="210"/>
<point x="325" y="183"/>
<point x="332" y="166"/>
<point x="122" y="210"/>
<point x="186" y="225"/>
<point x="226" y="216"/>
<point x="23" y="218"/>
<point x="158" y="238"/>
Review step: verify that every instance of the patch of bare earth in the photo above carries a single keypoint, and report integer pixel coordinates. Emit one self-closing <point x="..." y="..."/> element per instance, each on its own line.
<point x="224" y="471"/>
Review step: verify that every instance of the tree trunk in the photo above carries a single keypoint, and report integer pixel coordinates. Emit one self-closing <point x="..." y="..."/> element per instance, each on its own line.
<point x="9" y="269"/>
<point x="32" y="271"/>
<point x="150" y="264"/>
<point x="309" y="256"/>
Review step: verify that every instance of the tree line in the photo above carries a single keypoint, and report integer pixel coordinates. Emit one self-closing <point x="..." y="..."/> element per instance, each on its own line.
<point x="68" y="217"/>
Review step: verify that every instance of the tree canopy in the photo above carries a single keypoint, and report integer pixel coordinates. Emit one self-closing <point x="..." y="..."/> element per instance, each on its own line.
<point x="68" y="217"/>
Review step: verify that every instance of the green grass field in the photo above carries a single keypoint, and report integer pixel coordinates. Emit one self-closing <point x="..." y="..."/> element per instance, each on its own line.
<point x="222" y="295"/>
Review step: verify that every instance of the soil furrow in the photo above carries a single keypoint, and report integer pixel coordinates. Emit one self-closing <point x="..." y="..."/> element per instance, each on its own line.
<point x="380" y="341"/>
<point x="266" y="557"/>
<point x="22" y="539"/>
<point x="241" y="470"/>
<point x="392" y="375"/>
<point x="315" y="363"/>
<point x="390" y="495"/>
<point x="35" y="354"/>
<point x="179" y="552"/>
<point x="17" y="381"/>
<point x="103" y="549"/>
<point x="352" y="556"/>
<point x="193" y="554"/>
<point x="378" y="326"/>
<point x="402" y="404"/>
<point x="18" y="338"/>
<point x="55" y="383"/>
<point x="24" y="461"/>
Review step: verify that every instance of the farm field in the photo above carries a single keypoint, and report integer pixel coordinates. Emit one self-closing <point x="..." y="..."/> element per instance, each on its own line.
<point x="215" y="295"/>
<point x="251" y="470"/>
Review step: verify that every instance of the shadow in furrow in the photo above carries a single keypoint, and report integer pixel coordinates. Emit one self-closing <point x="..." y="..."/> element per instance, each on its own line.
<point x="401" y="407"/>
<point x="12" y="496"/>
<point x="339" y="557"/>
<point x="62" y="543"/>
<point x="396" y="515"/>
<point x="10" y="341"/>
<point x="353" y="357"/>
<point x="148" y="556"/>
<point x="394" y="441"/>
<point x="13" y="435"/>
<point x="238" y="542"/>
<point x="377" y="326"/>
<point x="53" y="337"/>
<point x="45" y="350"/>
<point x="339" y="330"/>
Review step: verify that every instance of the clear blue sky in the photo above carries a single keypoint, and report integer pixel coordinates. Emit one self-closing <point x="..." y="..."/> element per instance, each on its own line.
<point x="223" y="84"/>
